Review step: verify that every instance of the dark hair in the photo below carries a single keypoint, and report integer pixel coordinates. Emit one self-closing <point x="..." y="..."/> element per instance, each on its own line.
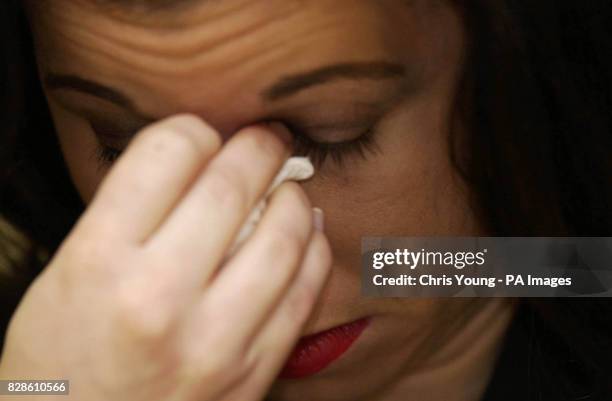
<point x="536" y="102"/>
<point x="36" y="193"/>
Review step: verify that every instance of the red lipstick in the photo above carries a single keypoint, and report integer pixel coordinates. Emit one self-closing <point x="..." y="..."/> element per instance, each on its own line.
<point x="315" y="352"/>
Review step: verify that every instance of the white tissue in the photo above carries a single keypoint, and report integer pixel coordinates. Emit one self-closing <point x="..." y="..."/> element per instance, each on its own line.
<point x="295" y="169"/>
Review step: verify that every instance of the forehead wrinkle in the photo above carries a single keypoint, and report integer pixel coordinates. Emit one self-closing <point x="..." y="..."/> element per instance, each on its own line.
<point x="148" y="6"/>
<point x="164" y="66"/>
<point x="212" y="71"/>
<point x="107" y="67"/>
<point x="143" y="4"/>
<point x="168" y="60"/>
<point x="198" y="35"/>
<point x="174" y="16"/>
<point x="143" y="48"/>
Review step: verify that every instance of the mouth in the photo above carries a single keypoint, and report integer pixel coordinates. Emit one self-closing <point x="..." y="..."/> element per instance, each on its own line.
<point x="315" y="352"/>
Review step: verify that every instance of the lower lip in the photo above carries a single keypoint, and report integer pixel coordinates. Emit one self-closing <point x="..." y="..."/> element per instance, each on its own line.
<point x="315" y="352"/>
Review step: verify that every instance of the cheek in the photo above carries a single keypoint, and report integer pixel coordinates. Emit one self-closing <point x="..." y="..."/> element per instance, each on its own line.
<point x="78" y="144"/>
<point x="409" y="188"/>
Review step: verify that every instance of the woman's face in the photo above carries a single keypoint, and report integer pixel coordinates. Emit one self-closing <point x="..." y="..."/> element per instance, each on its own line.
<point x="331" y="69"/>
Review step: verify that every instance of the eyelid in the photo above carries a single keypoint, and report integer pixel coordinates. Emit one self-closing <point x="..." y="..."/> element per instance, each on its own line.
<point x="338" y="126"/>
<point x="118" y="123"/>
<point x="115" y="132"/>
<point x="325" y="132"/>
<point x="333" y="121"/>
<point x="330" y="135"/>
<point x="304" y="145"/>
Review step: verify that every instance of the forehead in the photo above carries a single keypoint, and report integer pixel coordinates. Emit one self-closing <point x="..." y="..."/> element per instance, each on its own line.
<point x="202" y="53"/>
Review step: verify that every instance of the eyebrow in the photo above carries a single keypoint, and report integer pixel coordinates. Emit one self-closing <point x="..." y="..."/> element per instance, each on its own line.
<point x="284" y="88"/>
<point x="293" y="84"/>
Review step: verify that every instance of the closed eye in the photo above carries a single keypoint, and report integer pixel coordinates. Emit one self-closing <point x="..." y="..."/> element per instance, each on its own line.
<point x="319" y="152"/>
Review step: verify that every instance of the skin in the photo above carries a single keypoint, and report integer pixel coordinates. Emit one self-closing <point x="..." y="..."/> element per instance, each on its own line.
<point x="214" y="59"/>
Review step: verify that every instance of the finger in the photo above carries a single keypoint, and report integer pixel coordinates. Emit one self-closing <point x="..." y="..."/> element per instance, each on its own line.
<point x="252" y="281"/>
<point x="202" y="226"/>
<point x="149" y="178"/>
<point x="271" y="348"/>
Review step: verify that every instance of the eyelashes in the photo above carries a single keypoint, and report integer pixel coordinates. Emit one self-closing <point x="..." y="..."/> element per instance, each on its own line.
<point x="319" y="153"/>
<point x="106" y="155"/>
<point x="362" y="146"/>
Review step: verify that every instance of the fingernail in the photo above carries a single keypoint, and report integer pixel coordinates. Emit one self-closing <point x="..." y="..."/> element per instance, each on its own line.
<point x="281" y="131"/>
<point x="318" y="218"/>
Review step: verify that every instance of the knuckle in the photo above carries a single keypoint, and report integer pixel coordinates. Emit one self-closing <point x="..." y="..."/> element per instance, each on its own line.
<point x="193" y="123"/>
<point x="85" y="260"/>
<point x="306" y="290"/>
<point x="85" y="248"/>
<point x="184" y="133"/>
<point x="225" y="187"/>
<point x="170" y="141"/>
<point x="288" y="244"/>
<point x="292" y="194"/>
<point x="265" y="143"/>
<point x="207" y="353"/>
<point x="214" y="365"/>
<point x="139" y="313"/>
<point x="301" y="301"/>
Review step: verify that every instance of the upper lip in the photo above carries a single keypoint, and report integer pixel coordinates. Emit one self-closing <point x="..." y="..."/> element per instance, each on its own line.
<point x="318" y="331"/>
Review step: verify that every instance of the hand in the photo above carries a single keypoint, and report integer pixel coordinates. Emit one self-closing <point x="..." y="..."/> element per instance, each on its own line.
<point x="134" y="305"/>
